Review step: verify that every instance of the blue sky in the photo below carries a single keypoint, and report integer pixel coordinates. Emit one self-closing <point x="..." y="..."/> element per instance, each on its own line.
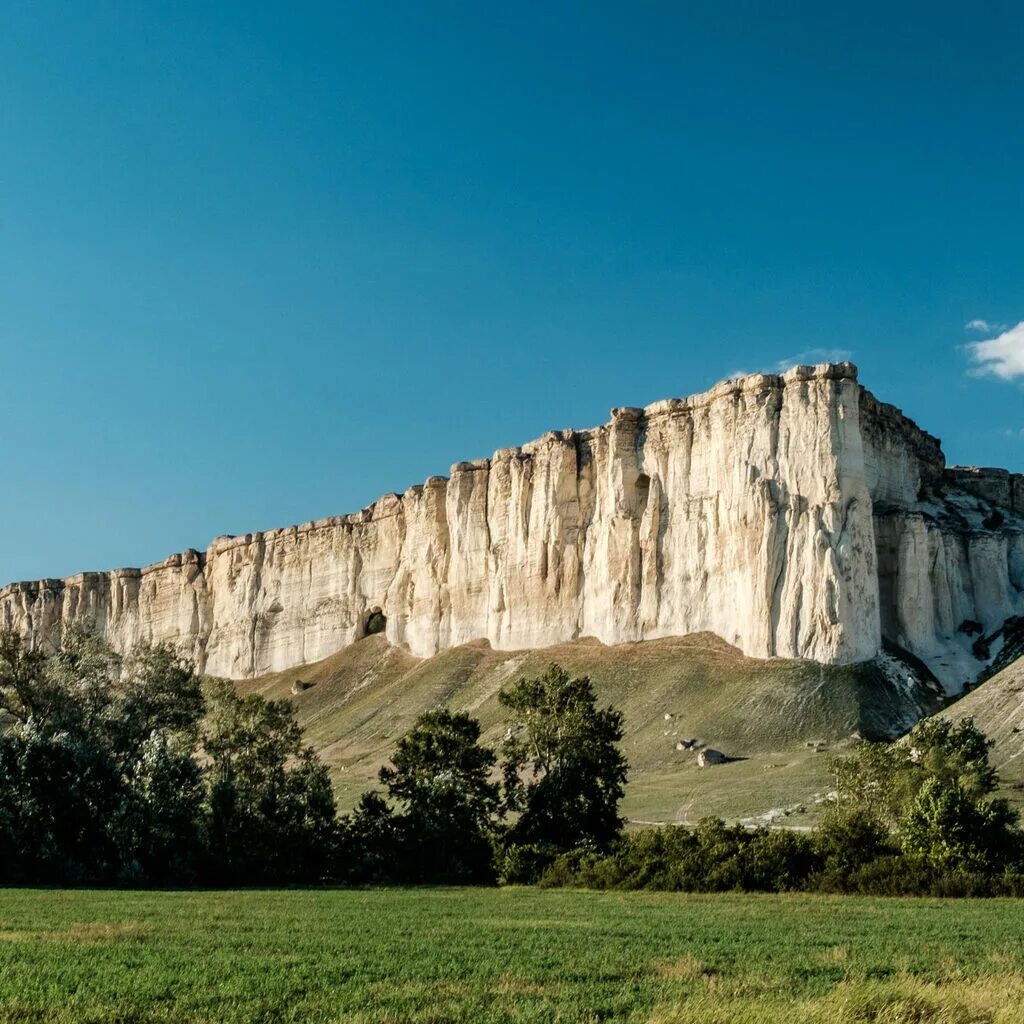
<point x="260" y="263"/>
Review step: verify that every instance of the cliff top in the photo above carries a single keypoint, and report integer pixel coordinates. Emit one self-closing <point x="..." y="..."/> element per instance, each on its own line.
<point x="390" y="504"/>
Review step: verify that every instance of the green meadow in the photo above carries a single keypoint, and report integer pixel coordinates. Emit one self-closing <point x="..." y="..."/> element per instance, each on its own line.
<point x="478" y="956"/>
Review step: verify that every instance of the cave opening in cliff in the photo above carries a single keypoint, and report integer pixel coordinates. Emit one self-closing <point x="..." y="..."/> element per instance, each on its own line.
<point x="376" y="622"/>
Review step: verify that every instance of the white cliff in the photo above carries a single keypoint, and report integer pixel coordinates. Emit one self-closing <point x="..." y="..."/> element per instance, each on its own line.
<point x="792" y="515"/>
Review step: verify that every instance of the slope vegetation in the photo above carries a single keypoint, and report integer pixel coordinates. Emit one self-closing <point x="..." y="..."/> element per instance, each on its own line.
<point x="775" y="719"/>
<point x="997" y="706"/>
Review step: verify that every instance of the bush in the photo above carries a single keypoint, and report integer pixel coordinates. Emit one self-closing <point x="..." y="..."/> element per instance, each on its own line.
<point x="524" y="863"/>
<point x="714" y="857"/>
<point x="778" y="860"/>
<point x="844" y="842"/>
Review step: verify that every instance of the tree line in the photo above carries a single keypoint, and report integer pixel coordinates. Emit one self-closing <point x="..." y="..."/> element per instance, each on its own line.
<point x="137" y="771"/>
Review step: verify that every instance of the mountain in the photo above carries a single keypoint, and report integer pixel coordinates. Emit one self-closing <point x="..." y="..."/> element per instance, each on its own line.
<point x="793" y="516"/>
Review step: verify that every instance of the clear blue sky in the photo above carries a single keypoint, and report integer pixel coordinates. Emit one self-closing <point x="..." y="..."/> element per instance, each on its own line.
<point x="260" y="263"/>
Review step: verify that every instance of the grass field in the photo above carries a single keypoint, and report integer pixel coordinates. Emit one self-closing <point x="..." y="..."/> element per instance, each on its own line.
<point x="480" y="956"/>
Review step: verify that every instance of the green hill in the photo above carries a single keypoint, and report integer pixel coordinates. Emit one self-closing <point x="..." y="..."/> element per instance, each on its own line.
<point x="777" y="719"/>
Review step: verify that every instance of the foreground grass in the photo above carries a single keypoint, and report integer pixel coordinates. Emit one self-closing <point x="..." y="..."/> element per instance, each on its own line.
<point x="504" y="955"/>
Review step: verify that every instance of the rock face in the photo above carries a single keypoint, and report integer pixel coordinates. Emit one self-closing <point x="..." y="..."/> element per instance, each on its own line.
<point x="792" y="515"/>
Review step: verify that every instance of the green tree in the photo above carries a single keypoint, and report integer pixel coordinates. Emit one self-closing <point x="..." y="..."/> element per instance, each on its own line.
<point x="81" y="786"/>
<point x="369" y="850"/>
<point x="100" y="777"/>
<point x="882" y="780"/>
<point x="69" y="690"/>
<point x="25" y="690"/>
<point x="160" y="826"/>
<point x="951" y="829"/>
<point x="439" y="778"/>
<point x="931" y="793"/>
<point x="269" y="799"/>
<point x="563" y="768"/>
<point x="60" y="792"/>
<point x="951" y="753"/>
<point x="156" y="692"/>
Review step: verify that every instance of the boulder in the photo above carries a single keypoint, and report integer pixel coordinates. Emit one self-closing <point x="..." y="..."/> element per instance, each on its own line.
<point x="709" y="756"/>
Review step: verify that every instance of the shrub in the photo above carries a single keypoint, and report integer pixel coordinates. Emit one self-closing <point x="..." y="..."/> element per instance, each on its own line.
<point x="524" y="863"/>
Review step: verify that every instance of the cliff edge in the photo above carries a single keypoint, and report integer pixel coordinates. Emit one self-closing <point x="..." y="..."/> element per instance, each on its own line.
<point x="792" y="515"/>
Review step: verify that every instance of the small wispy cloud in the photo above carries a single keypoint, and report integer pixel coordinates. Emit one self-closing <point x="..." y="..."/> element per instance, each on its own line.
<point x="812" y="356"/>
<point x="983" y="326"/>
<point x="1002" y="356"/>
<point x="1015" y="435"/>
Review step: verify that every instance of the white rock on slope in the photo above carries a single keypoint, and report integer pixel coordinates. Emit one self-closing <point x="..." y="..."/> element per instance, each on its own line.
<point x="780" y="512"/>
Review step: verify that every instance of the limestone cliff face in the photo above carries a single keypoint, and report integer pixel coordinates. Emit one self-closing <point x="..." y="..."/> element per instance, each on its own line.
<point x="792" y="515"/>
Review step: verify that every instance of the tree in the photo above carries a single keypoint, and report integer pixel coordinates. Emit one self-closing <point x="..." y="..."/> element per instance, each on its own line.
<point x="931" y="792"/>
<point x="369" y="844"/>
<point x="952" y="753"/>
<point x="69" y="690"/>
<point x="60" y="791"/>
<point x="100" y="778"/>
<point x="950" y="829"/>
<point x="882" y="780"/>
<point x="160" y="828"/>
<point x="269" y="799"/>
<point x="61" y="786"/>
<point x="563" y="769"/>
<point x="25" y="691"/>
<point x="156" y="692"/>
<point x="99" y="781"/>
<point x="872" y="782"/>
<point x="440" y="779"/>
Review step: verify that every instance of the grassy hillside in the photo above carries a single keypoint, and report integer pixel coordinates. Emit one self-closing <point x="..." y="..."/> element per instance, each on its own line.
<point x="443" y="956"/>
<point x="778" y="719"/>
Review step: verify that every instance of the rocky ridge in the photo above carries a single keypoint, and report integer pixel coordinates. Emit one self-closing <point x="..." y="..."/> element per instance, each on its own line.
<point x="793" y="515"/>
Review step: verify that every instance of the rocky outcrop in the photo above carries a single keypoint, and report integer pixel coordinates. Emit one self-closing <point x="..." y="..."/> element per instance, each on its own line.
<point x="996" y="486"/>
<point x="949" y="569"/>
<point x="792" y="515"/>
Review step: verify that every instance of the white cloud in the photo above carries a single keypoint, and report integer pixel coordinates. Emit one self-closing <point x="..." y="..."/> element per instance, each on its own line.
<point x="984" y="326"/>
<point x="812" y="356"/>
<point x="1002" y="356"/>
<point x="1016" y="435"/>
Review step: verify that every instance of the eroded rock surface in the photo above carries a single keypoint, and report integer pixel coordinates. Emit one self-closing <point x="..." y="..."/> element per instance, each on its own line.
<point x="792" y="515"/>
